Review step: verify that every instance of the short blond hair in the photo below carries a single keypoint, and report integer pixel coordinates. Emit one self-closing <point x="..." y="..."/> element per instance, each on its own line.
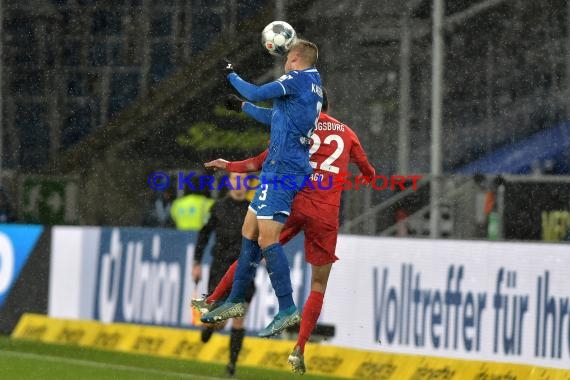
<point x="307" y="50"/>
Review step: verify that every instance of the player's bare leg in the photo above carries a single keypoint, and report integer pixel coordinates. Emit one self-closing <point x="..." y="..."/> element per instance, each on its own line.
<point x="250" y="229"/>
<point x="248" y="260"/>
<point x="279" y="274"/>
<point x="268" y="231"/>
<point x="311" y="311"/>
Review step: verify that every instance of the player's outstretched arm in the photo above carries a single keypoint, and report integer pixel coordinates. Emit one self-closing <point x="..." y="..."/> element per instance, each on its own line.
<point x="261" y="114"/>
<point x="218" y="163"/>
<point x="237" y="104"/>
<point x="252" y="164"/>
<point x="255" y="93"/>
<point x="248" y="90"/>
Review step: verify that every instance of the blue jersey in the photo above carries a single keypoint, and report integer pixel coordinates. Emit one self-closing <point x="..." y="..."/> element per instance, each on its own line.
<point x="297" y="99"/>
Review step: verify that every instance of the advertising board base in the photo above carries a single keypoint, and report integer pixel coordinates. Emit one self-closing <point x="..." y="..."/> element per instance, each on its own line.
<point x="268" y="353"/>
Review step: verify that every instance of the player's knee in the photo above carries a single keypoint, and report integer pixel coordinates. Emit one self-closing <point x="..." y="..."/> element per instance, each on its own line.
<point x="318" y="285"/>
<point x="320" y="277"/>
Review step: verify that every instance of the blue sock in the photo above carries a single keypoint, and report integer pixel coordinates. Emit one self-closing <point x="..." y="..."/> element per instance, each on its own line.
<point x="279" y="274"/>
<point x="248" y="260"/>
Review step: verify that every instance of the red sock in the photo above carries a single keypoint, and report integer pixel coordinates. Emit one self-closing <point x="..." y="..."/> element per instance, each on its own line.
<point x="311" y="312"/>
<point x="225" y="285"/>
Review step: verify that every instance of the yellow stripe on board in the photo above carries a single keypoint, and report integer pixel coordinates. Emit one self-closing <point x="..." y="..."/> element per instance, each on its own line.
<point x="269" y="353"/>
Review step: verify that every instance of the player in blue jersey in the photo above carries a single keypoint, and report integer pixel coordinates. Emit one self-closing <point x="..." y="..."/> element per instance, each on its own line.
<point x="297" y="98"/>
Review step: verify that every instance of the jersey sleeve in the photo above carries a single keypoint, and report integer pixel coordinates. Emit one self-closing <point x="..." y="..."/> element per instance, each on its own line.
<point x="252" y="164"/>
<point x="256" y="93"/>
<point x="358" y="156"/>
<point x="261" y="114"/>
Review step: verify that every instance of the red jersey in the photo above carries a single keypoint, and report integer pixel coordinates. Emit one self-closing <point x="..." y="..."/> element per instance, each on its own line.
<point x="333" y="146"/>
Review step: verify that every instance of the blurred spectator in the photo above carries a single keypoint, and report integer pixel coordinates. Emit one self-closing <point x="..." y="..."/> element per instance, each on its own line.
<point x="192" y="211"/>
<point x="481" y="202"/>
<point x="544" y="167"/>
<point x="158" y="215"/>
<point x="549" y="166"/>
<point x="486" y="212"/>
<point x="5" y="210"/>
<point x="536" y="168"/>
<point x="401" y="219"/>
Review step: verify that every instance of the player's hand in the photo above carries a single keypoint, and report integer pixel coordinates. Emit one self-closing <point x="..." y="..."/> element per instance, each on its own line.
<point x="197" y="273"/>
<point x="234" y="103"/>
<point x="218" y="163"/>
<point x="227" y="66"/>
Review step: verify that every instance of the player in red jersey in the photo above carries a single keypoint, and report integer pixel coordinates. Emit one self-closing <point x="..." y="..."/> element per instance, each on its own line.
<point x="315" y="211"/>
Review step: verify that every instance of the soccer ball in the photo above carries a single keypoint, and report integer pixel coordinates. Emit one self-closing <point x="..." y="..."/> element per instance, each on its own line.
<point x="277" y="37"/>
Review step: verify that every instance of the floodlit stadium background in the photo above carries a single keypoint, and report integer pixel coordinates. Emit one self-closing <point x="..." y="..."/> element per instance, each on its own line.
<point x="472" y="95"/>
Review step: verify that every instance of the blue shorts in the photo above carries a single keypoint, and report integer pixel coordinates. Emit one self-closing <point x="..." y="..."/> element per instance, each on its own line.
<point x="273" y="198"/>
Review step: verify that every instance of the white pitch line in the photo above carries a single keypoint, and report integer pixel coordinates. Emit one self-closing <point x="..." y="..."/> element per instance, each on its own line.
<point x="94" y="364"/>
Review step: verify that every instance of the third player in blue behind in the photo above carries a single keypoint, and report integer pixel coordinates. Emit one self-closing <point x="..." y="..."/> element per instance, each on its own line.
<point x="297" y="98"/>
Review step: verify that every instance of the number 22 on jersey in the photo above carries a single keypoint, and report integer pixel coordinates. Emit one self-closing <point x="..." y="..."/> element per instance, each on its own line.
<point x="327" y="164"/>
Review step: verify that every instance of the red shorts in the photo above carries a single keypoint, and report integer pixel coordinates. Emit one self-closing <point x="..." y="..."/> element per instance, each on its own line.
<point x="319" y="222"/>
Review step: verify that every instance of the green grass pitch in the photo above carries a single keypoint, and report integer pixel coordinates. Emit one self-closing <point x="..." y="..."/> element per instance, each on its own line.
<point x="20" y="360"/>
